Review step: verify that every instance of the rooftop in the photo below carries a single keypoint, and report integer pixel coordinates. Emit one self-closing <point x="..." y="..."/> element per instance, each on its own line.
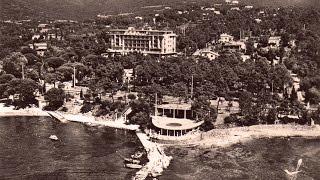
<point x="275" y="38"/>
<point x="133" y="31"/>
<point x="175" y="106"/>
<point x="174" y="123"/>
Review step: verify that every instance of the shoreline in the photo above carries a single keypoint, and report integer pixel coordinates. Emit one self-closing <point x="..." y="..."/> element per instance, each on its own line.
<point x="158" y="161"/>
<point x="231" y="136"/>
<point x="10" y="112"/>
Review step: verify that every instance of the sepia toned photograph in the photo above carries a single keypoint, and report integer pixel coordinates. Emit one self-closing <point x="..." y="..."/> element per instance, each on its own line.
<point x="160" y="89"/>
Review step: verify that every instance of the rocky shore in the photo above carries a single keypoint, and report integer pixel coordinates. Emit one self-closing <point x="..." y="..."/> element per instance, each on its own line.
<point x="230" y="136"/>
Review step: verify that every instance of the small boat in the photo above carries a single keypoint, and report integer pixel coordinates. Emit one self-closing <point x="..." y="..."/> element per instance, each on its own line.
<point x="191" y="145"/>
<point x="133" y="166"/>
<point x="137" y="155"/>
<point x="53" y="137"/>
<point x="133" y="161"/>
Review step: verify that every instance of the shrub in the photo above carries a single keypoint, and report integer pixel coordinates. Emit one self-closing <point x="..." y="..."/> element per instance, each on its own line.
<point x="64" y="109"/>
<point x="232" y="119"/>
<point x="55" y="97"/>
<point x="87" y="107"/>
<point x="132" y="97"/>
<point x="61" y="85"/>
<point x="102" y="112"/>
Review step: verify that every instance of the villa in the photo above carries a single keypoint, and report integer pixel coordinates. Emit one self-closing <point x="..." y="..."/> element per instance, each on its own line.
<point x="234" y="46"/>
<point x="211" y="55"/>
<point x="224" y="38"/>
<point x="41" y="48"/>
<point x="274" y="41"/>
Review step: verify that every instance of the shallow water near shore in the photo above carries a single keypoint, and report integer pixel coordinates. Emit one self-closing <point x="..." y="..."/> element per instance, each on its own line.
<point x="82" y="152"/>
<point x="258" y="159"/>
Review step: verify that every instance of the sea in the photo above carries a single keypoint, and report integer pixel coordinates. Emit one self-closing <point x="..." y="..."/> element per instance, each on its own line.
<point x="81" y="152"/>
<point x="86" y="152"/>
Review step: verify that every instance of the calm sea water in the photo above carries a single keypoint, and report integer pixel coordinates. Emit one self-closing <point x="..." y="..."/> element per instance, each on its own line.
<point x="82" y="152"/>
<point x="85" y="152"/>
<point x="264" y="159"/>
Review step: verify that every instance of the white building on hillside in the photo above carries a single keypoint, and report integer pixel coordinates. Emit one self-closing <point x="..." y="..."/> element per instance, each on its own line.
<point x="248" y="7"/>
<point x="235" y="8"/>
<point x="235" y="2"/>
<point x="224" y="38"/>
<point x="234" y="46"/>
<point x="156" y="42"/>
<point x="35" y="37"/>
<point x="41" y="48"/>
<point x="274" y="41"/>
<point x="206" y="53"/>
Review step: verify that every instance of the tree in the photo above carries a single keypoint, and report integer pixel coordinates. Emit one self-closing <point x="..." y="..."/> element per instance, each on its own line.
<point x="131" y="97"/>
<point x="32" y="59"/>
<point x="294" y="95"/>
<point x="55" y="97"/>
<point x="51" y="78"/>
<point x="180" y="90"/>
<point x="5" y="78"/>
<point x="140" y="113"/>
<point x="232" y="119"/>
<point x="142" y="119"/>
<point x="25" y="89"/>
<point x="65" y="73"/>
<point x="313" y="95"/>
<point x="44" y="90"/>
<point x="54" y="62"/>
<point x="81" y="94"/>
<point x="14" y="64"/>
<point x="81" y="69"/>
<point x="203" y="110"/>
<point x="107" y="86"/>
<point x="280" y="76"/>
<point x="4" y="82"/>
<point x="250" y="47"/>
<point x="32" y="74"/>
<point x="315" y="115"/>
<point x="246" y="103"/>
<point x="272" y="116"/>
<point x="285" y="38"/>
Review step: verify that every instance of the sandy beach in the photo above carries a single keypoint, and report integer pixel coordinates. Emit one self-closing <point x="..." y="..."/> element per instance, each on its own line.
<point x="10" y="111"/>
<point x="230" y="136"/>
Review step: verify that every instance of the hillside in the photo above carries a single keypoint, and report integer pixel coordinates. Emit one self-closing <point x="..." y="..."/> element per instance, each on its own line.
<point x="283" y="3"/>
<point x="82" y="9"/>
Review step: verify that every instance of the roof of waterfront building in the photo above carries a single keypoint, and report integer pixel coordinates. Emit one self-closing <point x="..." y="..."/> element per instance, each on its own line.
<point x="183" y="106"/>
<point x="174" y="123"/>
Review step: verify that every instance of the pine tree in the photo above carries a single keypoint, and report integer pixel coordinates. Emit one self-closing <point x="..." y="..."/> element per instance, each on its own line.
<point x="81" y="94"/>
<point x="285" y="94"/>
<point x="294" y="95"/>
<point x="44" y="88"/>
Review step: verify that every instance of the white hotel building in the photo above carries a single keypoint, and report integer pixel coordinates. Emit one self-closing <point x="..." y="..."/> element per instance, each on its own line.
<point x="155" y="42"/>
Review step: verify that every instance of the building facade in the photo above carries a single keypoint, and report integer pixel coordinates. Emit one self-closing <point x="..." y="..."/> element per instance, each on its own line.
<point x="207" y="53"/>
<point x="143" y="41"/>
<point x="224" y="38"/>
<point x="274" y="41"/>
<point x="41" y="48"/>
